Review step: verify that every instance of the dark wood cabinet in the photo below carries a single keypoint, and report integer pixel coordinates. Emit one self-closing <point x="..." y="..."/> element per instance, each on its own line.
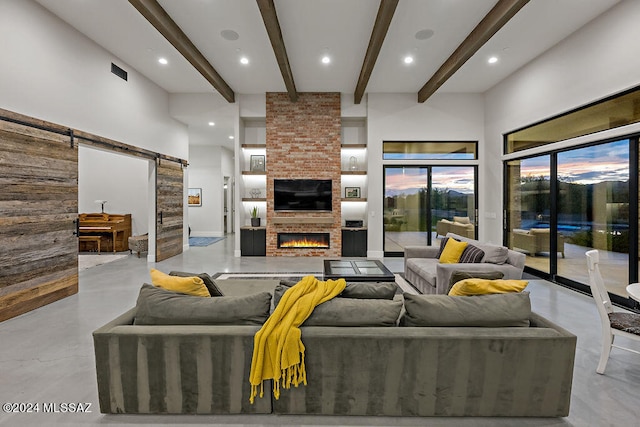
<point x="253" y="241"/>
<point x="354" y="242"/>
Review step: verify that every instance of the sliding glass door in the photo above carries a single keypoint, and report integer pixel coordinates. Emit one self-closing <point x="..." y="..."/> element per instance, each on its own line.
<point x="453" y="196"/>
<point x="529" y="209"/>
<point x="593" y="211"/>
<point x="562" y="204"/>
<point x="405" y="207"/>
<point x="417" y="198"/>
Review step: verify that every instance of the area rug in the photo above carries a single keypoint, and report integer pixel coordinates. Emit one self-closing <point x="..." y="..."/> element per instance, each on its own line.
<point x="203" y="241"/>
<point x="94" y="260"/>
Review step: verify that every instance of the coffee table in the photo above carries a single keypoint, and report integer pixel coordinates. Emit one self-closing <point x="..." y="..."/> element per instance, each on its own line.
<point x="360" y="270"/>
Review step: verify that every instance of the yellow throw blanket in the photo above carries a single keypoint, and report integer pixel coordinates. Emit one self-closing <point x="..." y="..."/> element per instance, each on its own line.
<point x="278" y="352"/>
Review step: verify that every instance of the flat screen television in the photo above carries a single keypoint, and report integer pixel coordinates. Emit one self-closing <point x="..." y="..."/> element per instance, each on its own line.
<point x="302" y="195"/>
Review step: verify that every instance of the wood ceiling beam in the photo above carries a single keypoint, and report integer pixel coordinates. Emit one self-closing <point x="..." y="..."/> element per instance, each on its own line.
<point x="270" y="18"/>
<point x="160" y="19"/>
<point x="385" y="13"/>
<point x="501" y="13"/>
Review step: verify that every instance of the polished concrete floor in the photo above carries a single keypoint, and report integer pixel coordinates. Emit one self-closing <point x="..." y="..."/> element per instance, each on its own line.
<point x="46" y="356"/>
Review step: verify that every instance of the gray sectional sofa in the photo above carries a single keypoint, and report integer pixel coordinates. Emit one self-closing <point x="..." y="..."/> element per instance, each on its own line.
<point x="447" y="356"/>
<point x="424" y="271"/>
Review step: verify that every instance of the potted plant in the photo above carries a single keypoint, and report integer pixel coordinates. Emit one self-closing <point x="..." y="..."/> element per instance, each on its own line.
<point x="255" y="219"/>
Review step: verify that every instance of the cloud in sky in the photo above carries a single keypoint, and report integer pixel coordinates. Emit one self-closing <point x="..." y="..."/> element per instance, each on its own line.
<point x="411" y="180"/>
<point x="589" y="165"/>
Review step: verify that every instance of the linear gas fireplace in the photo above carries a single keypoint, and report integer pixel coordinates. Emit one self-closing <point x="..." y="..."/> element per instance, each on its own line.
<point x="303" y="240"/>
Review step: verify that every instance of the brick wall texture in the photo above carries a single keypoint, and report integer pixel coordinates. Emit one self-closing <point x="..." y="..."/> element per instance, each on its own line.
<point x="303" y="142"/>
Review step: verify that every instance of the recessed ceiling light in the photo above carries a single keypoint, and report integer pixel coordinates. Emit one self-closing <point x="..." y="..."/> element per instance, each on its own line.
<point x="244" y="60"/>
<point x="326" y="59"/>
<point x="231" y="137"/>
<point x="163" y="61"/>
<point x="492" y="60"/>
<point x="408" y="59"/>
<point x="212" y="124"/>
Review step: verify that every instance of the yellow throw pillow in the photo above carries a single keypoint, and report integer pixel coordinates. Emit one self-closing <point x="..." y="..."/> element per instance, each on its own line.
<point x="469" y="287"/>
<point x="452" y="251"/>
<point x="185" y="285"/>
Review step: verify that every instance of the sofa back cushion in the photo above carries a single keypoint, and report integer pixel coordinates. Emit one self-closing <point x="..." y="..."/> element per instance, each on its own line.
<point x="349" y="311"/>
<point x="462" y="219"/>
<point x="493" y="254"/>
<point x="359" y="290"/>
<point x="355" y="312"/>
<point x="457" y="276"/>
<point x="497" y="310"/>
<point x="156" y="306"/>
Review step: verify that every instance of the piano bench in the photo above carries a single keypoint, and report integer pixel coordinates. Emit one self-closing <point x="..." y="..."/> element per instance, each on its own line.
<point x="95" y="239"/>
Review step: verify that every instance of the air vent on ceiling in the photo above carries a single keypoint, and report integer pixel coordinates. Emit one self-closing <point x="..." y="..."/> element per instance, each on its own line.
<point x="118" y="71"/>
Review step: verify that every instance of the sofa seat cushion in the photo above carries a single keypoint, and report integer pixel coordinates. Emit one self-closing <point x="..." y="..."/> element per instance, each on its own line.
<point x="156" y="306"/>
<point x="350" y="311"/>
<point x="497" y="310"/>
<point x="424" y="267"/>
<point x="475" y="286"/>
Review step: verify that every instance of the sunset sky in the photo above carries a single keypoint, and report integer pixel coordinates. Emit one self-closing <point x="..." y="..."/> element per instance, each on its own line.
<point x="589" y="165"/>
<point x="410" y="180"/>
<point x="604" y="162"/>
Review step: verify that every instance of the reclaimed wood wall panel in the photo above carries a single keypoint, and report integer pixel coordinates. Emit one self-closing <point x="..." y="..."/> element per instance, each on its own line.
<point x="38" y="206"/>
<point x="169" y="209"/>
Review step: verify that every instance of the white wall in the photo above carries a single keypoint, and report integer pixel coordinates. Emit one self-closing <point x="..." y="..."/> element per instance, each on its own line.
<point x="400" y="117"/>
<point x="52" y="72"/>
<point x="207" y="168"/>
<point x="600" y="59"/>
<point x="120" y="180"/>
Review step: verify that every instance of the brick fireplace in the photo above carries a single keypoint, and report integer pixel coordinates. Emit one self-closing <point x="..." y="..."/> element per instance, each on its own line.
<point x="303" y="142"/>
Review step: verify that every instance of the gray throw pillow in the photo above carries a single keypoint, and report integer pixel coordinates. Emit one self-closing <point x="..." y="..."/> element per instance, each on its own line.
<point x="457" y="276"/>
<point x="495" y="310"/>
<point x="157" y="306"/>
<point x="213" y="289"/>
<point x="471" y="254"/>
<point x="495" y="254"/>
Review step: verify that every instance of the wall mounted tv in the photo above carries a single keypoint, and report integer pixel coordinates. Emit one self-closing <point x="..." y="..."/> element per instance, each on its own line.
<point x="302" y="195"/>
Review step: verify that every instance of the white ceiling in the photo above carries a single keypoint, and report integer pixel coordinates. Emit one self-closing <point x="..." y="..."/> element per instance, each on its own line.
<point x="311" y="28"/>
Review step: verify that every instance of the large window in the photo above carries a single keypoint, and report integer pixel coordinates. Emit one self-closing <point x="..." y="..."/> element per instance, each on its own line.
<point x="613" y="112"/>
<point x="418" y="198"/>
<point x="430" y="150"/>
<point x="564" y="203"/>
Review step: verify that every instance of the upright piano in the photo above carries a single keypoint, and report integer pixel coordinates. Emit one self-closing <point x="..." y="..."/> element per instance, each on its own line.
<point x="114" y="229"/>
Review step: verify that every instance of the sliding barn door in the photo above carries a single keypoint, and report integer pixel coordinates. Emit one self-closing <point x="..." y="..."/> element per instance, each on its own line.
<point x="38" y="207"/>
<point x="169" y="209"/>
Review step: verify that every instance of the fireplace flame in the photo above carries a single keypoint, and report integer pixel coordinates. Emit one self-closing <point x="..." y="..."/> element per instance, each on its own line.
<point x="303" y="243"/>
